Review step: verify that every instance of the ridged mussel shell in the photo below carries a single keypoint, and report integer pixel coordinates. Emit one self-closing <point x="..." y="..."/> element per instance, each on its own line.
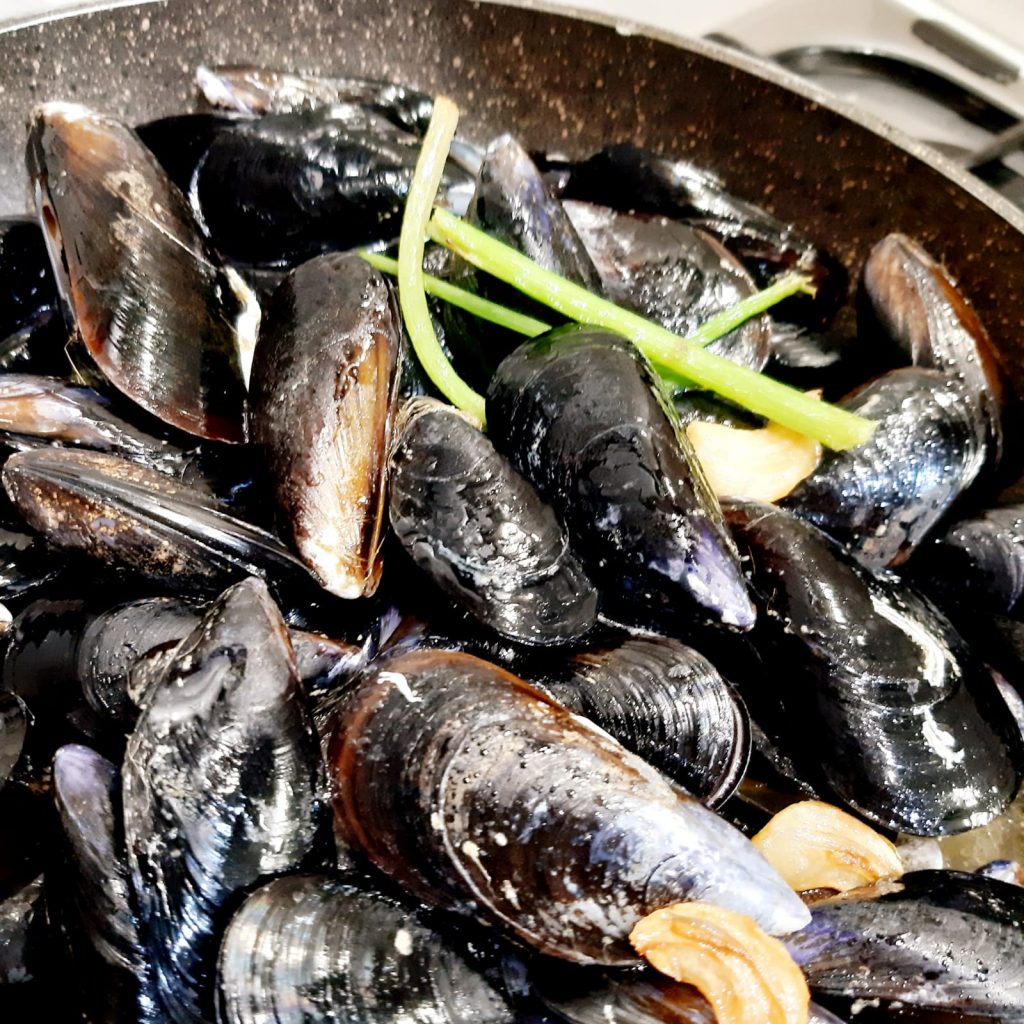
<point x="475" y="791"/>
<point x="869" y="685"/>
<point x="153" y="308"/>
<point x="323" y="399"/>
<point x="481" y="531"/>
<point x="581" y="415"/>
<point x="664" y="702"/>
<point x="935" y="941"/>
<point x="313" y="948"/>
<point x="131" y="517"/>
<point x="882" y="498"/>
<point x="222" y="786"/>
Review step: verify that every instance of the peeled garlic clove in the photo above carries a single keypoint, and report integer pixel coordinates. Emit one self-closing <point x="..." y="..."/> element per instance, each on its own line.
<point x="814" y="845"/>
<point x="747" y="976"/>
<point x="763" y="465"/>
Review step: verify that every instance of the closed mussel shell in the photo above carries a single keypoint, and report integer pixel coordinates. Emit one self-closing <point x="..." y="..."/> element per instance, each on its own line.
<point x="475" y="791"/>
<point x="154" y="310"/>
<point x="481" y="531"/>
<point x="863" y="681"/>
<point x="580" y="414"/>
<point x="309" y="947"/>
<point x="324" y="381"/>
<point x="882" y="498"/>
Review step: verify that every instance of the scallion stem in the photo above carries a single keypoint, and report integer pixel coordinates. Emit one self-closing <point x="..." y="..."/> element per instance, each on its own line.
<point x="834" y="427"/>
<point x="411" y="297"/>
<point x="520" y="323"/>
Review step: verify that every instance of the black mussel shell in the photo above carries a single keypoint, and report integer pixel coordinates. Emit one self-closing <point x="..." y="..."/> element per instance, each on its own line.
<point x="25" y="563"/>
<point x="131" y="517"/>
<point x="693" y="405"/>
<point x="940" y="941"/>
<point x="290" y="186"/>
<point x="312" y="948"/>
<point x="512" y="203"/>
<point x="258" y="91"/>
<point x="626" y="177"/>
<point x="152" y="308"/>
<point x="582" y="416"/>
<point x="23" y="940"/>
<point x="475" y="791"/>
<point x="876" y="689"/>
<point x="89" y="893"/>
<point x="482" y="533"/>
<point x="14" y="723"/>
<point x="664" y="702"/>
<point x="323" y="400"/>
<point x="222" y="786"/>
<point x="672" y="274"/>
<point x="976" y="562"/>
<point x="882" y="498"/>
<point x="912" y="301"/>
<point x="28" y="291"/>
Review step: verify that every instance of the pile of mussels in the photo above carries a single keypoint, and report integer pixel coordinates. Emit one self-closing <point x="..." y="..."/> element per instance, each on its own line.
<point x="318" y="703"/>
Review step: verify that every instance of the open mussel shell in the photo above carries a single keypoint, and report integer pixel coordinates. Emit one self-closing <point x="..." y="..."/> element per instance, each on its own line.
<point x="672" y="274"/>
<point x="475" y="791"/>
<point x="666" y="703"/>
<point x="882" y="498"/>
<point x="582" y="416"/>
<point x="152" y="307"/>
<point x="131" y="517"/>
<point x="309" y="947"/>
<point x="222" y="786"/>
<point x="939" y="941"/>
<point x="481" y="531"/>
<point x="323" y="400"/>
<point x="879" y="692"/>
<point x="913" y="302"/>
<point x="89" y="892"/>
<point x="287" y="187"/>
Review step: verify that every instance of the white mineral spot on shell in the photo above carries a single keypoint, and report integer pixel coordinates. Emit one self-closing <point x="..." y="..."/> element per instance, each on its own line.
<point x="403" y="942"/>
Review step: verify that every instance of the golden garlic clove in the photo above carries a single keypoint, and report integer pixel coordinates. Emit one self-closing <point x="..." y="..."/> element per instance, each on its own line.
<point x="814" y="845"/>
<point x="747" y="976"/>
<point x="762" y="465"/>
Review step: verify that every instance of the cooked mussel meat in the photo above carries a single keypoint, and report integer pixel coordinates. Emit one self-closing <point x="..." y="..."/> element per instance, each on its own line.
<point x="153" y="309"/>
<point x="672" y="274"/>
<point x="89" y="894"/>
<point x="938" y="941"/>
<point x="131" y="517"/>
<point x="581" y="415"/>
<point x="291" y="186"/>
<point x="883" y="497"/>
<point x="667" y="704"/>
<point x="310" y="947"/>
<point x="474" y="790"/>
<point x="222" y="786"/>
<point x="323" y="399"/>
<point x="482" y="533"/>
<point x="879" y="691"/>
<point x="914" y="302"/>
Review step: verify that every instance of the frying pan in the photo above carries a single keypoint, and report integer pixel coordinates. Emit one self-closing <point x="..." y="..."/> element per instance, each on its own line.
<point x="560" y="83"/>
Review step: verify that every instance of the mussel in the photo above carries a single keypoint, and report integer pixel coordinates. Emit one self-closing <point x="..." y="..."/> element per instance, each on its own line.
<point x="22" y="937"/>
<point x="482" y="533"/>
<point x="580" y="413"/>
<point x="29" y="289"/>
<point x="475" y="791"/>
<point x="672" y="274"/>
<point x="323" y="399"/>
<point x="912" y="300"/>
<point x="882" y="498"/>
<point x="310" y="947"/>
<point x="14" y="723"/>
<point x="935" y="941"/>
<point x="664" y="702"/>
<point x="89" y="895"/>
<point x="132" y="517"/>
<point x="879" y="694"/>
<point x="153" y="309"/>
<point x="222" y="785"/>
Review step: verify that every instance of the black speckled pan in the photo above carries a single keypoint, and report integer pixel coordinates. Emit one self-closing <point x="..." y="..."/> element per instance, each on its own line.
<point x="559" y="82"/>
